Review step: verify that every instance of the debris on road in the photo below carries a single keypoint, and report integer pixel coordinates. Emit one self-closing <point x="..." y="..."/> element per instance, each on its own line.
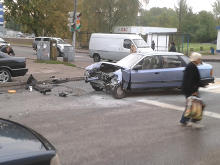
<point x="42" y="88"/>
<point x="63" y="94"/>
<point x="11" y="91"/>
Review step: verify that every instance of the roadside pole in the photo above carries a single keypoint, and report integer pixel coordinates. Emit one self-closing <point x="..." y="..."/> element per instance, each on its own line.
<point x="74" y="32"/>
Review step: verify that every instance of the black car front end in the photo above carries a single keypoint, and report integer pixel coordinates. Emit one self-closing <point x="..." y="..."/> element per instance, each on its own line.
<point x="20" y="145"/>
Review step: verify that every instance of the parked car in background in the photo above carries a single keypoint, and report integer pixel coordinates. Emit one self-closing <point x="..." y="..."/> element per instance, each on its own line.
<point x="143" y="71"/>
<point x="60" y="44"/>
<point x="37" y="40"/>
<point x="20" y="145"/>
<point x="115" y="46"/>
<point x="11" y="67"/>
<point x="3" y="43"/>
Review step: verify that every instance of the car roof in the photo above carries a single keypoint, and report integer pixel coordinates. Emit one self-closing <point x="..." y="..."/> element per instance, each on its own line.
<point x="160" y="53"/>
<point x="116" y="36"/>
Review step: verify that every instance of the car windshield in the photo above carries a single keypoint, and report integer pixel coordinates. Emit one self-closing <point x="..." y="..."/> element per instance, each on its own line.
<point x="186" y="59"/>
<point x="60" y="41"/>
<point x="130" y="60"/>
<point x="140" y="43"/>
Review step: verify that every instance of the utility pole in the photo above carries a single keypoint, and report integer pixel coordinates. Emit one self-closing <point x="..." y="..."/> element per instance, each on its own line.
<point x="180" y="15"/>
<point x="74" y="32"/>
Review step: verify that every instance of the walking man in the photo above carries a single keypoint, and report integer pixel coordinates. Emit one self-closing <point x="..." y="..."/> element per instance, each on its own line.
<point x="191" y="84"/>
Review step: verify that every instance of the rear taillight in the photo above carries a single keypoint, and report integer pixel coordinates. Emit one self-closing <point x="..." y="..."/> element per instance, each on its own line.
<point x="211" y="72"/>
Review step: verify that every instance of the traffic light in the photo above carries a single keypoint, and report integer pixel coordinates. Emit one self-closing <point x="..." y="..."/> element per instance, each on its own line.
<point x="71" y="23"/>
<point x="74" y="24"/>
<point x="77" y="18"/>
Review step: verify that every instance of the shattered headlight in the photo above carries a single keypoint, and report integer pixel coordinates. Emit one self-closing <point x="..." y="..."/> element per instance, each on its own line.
<point x="114" y="80"/>
<point x="86" y="75"/>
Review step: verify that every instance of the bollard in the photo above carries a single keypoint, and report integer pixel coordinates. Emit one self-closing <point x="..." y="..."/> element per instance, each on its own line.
<point x="212" y="50"/>
<point x="53" y="49"/>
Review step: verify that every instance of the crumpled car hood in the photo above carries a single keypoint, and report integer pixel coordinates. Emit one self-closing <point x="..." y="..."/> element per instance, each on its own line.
<point x="97" y="65"/>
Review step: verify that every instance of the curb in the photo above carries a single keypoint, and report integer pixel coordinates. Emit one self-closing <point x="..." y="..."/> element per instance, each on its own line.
<point x="30" y="46"/>
<point x="211" y="60"/>
<point x="27" y="46"/>
<point x="22" y="83"/>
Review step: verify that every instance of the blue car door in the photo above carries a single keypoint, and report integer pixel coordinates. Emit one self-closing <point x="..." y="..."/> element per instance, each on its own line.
<point x="148" y="75"/>
<point x="173" y="69"/>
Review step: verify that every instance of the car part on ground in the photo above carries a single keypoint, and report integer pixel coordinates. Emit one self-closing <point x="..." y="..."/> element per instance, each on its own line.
<point x="143" y="71"/>
<point x="22" y="145"/>
<point x="42" y="88"/>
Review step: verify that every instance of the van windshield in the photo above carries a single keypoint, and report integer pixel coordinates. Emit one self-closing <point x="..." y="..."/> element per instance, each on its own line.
<point x="140" y="43"/>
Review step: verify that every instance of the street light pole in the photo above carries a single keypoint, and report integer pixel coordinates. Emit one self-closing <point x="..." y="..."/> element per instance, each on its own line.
<point x="74" y="32"/>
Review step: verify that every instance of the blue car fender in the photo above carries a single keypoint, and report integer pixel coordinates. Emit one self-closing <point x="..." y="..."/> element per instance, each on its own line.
<point x="126" y="78"/>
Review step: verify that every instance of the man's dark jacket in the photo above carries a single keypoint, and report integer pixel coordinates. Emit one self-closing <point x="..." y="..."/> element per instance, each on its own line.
<point x="191" y="80"/>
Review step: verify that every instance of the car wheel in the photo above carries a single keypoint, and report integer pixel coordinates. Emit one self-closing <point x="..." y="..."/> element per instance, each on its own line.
<point x="96" y="58"/>
<point x="118" y="92"/>
<point x="5" y="75"/>
<point x="96" y="88"/>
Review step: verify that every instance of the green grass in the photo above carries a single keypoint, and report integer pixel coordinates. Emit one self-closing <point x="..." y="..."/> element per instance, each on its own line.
<point x="55" y="62"/>
<point x="196" y="48"/>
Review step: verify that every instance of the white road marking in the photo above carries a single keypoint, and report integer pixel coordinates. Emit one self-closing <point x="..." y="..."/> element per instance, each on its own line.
<point x="210" y="88"/>
<point x="177" y="108"/>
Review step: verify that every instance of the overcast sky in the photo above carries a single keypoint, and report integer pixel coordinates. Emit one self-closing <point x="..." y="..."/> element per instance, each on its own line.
<point x="197" y="5"/>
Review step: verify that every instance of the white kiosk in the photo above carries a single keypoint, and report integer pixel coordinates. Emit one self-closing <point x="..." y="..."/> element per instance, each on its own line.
<point x="218" y="40"/>
<point x="149" y="34"/>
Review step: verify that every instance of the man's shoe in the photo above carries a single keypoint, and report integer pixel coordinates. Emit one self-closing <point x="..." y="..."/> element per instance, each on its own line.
<point x="187" y="124"/>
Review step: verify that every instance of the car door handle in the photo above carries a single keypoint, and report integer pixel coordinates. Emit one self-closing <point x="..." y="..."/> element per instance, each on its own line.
<point x="156" y="73"/>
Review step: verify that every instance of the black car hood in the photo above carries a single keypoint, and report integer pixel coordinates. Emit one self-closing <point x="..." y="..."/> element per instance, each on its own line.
<point x="16" y="139"/>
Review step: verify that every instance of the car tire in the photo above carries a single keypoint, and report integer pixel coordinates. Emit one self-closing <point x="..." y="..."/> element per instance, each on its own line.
<point x="118" y="92"/>
<point x="5" y="75"/>
<point x="95" y="87"/>
<point x="96" y="58"/>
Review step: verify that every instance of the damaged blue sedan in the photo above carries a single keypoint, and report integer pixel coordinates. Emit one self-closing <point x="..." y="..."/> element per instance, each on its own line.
<point x="143" y="71"/>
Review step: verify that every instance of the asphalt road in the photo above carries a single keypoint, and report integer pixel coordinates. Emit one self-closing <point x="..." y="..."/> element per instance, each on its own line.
<point x="92" y="128"/>
<point x="89" y="127"/>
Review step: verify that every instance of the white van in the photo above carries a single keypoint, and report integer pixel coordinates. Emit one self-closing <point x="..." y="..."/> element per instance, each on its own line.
<point x="115" y="46"/>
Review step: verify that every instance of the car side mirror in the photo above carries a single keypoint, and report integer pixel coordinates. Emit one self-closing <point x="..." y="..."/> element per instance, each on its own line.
<point x="137" y="67"/>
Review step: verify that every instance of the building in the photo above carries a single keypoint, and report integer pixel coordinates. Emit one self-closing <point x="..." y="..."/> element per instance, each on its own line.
<point x="1" y="19"/>
<point x="218" y="39"/>
<point x="160" y="35"/>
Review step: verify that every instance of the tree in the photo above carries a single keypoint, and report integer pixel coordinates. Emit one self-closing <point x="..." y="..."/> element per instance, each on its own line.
<point x="103" y="15"/>
<point x="41" y="17"/>
<point x="206" y="31"/>
<point x="182" y="10"/>
<point x="216" y="10"/>
<point x="159" y="17"/>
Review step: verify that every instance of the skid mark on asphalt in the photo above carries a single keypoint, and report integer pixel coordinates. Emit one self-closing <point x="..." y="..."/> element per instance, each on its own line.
<point x="176" y="108"/>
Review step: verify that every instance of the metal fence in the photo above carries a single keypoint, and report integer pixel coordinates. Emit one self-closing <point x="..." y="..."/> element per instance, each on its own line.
<point x="83" y="39"/>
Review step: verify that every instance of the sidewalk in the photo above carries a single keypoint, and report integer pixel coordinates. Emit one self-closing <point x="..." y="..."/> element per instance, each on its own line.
<point x="45" y="72"/>
<point x="211" y="58"/>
